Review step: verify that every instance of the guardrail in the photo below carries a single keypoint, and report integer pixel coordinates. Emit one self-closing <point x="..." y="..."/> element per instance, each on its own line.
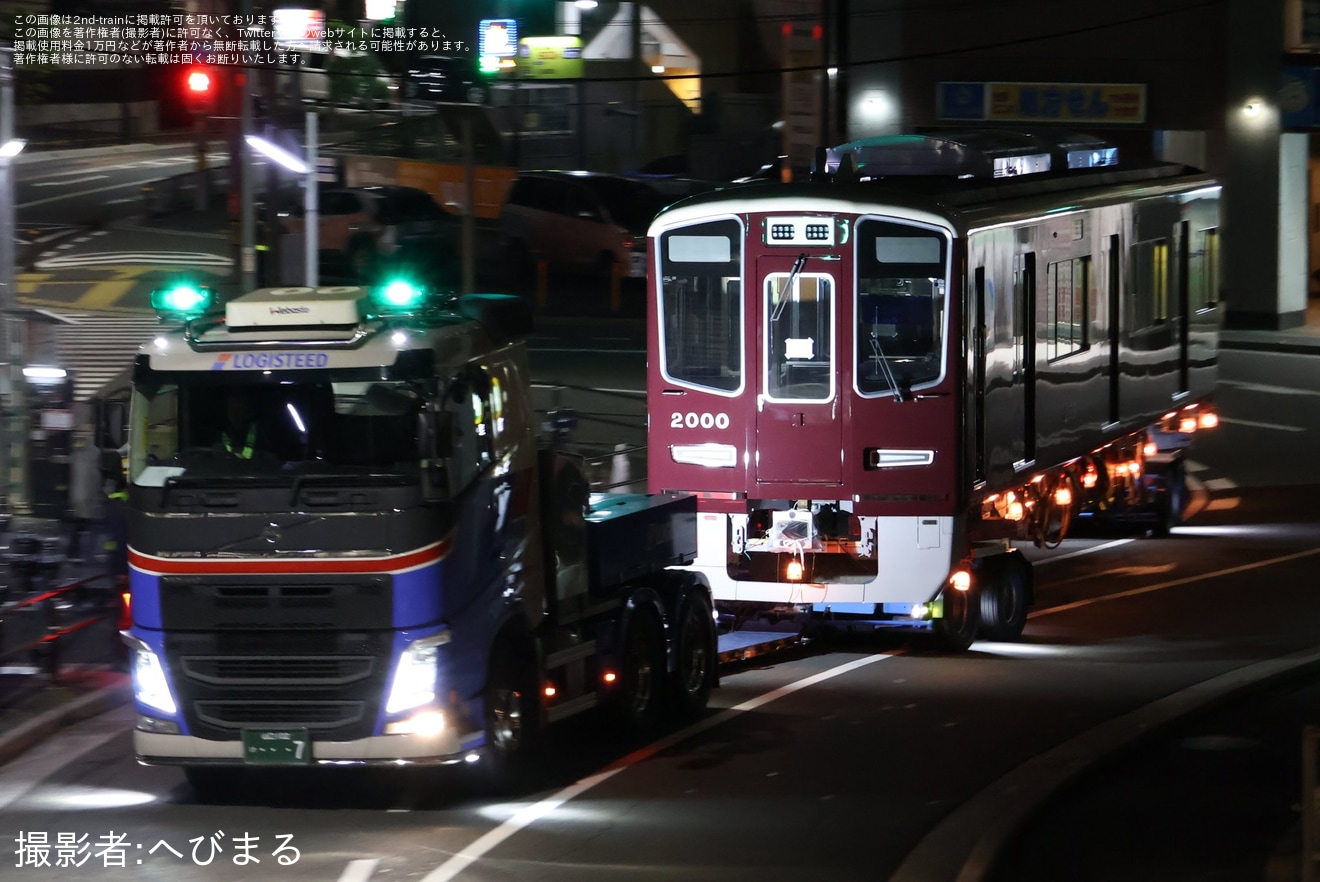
<point x="45" y="621"/>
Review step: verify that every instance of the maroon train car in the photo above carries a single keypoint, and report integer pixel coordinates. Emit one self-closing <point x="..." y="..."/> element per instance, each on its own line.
<point x="878" y="380"/>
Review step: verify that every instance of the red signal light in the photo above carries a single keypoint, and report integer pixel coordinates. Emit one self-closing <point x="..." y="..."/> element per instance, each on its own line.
<point x="199" y="90"/>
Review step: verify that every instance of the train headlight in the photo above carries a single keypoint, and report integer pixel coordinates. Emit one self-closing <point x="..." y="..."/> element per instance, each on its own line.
<point x="415" y="675"/>
<point x="712" y="456"/>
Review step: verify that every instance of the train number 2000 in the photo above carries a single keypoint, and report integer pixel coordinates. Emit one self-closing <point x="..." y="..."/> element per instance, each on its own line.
<point x="692" y="420"/>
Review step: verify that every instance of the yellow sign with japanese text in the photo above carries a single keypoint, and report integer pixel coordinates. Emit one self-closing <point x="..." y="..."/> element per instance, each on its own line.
<point x="1067" y="102"/>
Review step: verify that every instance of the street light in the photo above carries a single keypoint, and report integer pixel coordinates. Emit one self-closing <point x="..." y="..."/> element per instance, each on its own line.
<point x="279" y="154"/>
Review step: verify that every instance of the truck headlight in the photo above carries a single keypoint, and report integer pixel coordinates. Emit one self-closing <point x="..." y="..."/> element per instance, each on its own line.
<point x="150" y="686"/>
<point x="414" y="677"/>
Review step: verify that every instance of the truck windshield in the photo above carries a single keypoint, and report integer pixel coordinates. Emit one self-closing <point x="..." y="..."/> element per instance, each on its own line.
<point x="230" y="430"/>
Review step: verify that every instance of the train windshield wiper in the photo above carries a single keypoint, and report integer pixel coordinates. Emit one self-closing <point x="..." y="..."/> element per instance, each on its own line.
<point x="788" y="287"/>
<point x="902" y="391"/>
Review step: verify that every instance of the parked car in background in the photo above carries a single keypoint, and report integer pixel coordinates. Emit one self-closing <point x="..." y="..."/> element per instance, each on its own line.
<point x="444" y="78"/>
<point x="368" y="231"/>
<point x="581" y="222"/>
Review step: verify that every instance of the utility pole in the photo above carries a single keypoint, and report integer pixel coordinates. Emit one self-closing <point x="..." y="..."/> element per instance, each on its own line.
<point x="13" y="438"/>
<point x="247" y="263"/>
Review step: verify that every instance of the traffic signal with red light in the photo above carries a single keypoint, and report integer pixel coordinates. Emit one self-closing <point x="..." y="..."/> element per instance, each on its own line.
<point x="199" y="90"/>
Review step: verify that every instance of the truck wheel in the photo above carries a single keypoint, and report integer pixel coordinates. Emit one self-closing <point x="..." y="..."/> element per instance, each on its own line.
<point x="1005" y="596"/>
<point x="511" y="718"/>
<point x="217" y="784"/>
<point x="957" y="628"/>
<point x="641" y="687"/>
<point x="694" y="657"/>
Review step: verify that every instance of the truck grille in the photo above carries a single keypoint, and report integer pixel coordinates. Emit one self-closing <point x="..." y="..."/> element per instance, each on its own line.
<point x="331" y="682"/>
<point x="276" y="670"/>
<point x="314" y="715"/>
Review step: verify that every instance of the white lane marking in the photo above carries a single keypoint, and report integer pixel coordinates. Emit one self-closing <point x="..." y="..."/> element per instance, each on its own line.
<point x="120" y="201"/>
<point x="359" y="871"/>
<point x="485" y="843"/>
<point x="1194" y="466"/>
<point x="1092" y="550"/>
<point x="114" y="258"/>
<point x="1254" y="424"/>
<point x="105" y="189"/>
<point x="1173" y="583"/>
<point x="71" y="182"/>
<point x="1263" y="387"/>
<point x="1220" y="484"/>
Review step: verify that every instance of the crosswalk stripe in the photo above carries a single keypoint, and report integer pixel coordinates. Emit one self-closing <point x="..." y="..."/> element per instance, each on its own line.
<point x="96" y="347"/>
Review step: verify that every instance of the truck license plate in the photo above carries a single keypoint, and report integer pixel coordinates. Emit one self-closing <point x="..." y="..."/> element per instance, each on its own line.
<point x="277" y="746"/>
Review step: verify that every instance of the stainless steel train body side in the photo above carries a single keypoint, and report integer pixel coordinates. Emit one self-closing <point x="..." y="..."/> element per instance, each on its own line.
<point x="1024" y="382"/>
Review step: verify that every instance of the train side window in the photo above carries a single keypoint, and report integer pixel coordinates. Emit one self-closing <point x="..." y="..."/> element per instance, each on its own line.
<point x="1149" y="292"/>
<point x="1068" y="286"/>
<point x="1203" y="269"/>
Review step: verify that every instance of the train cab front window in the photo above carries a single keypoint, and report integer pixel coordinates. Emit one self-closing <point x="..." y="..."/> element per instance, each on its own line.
<point x="901" y="307"/>
<point x="700" y="303"/>
<point x="799" y="310"/>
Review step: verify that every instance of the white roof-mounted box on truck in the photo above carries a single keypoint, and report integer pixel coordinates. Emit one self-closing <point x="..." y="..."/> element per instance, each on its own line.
<point x="297" y="306"/>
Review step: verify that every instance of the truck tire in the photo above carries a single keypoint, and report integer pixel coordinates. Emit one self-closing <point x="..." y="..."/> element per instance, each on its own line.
<point x="512" y="721"/>
<point x="639" y="700"/>
<point x="1005" y="597"/>
<point x="957" y="628"/>
<point x="695" y="656"/>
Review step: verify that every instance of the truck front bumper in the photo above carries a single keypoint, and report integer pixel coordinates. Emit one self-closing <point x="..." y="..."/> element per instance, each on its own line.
<point x="443" y="748"/>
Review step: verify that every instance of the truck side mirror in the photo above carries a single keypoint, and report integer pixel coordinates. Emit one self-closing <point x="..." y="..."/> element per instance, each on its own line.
<point x="112" y="426"/>
<point x="433" y="446"/>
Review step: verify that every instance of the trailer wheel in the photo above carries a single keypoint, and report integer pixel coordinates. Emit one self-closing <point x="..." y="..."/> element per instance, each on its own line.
<point x="694" y="656"/>
<point x="1170" y="504"/>
<point x="511" y="721"/>
<point x="1005" y="596"/>
<point x="957" y="628"/>
<point x="642" y="679"/>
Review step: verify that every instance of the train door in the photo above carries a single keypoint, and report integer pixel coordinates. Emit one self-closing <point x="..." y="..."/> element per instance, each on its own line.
<point x="798" y="419"/>
<point x="1114" y="325"/>
<point x="1024" y="319"/>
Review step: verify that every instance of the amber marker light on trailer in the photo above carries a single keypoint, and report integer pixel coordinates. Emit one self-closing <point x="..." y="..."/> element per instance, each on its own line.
<point x="1208" y="420"/>
<point x="793" y="570"/>
<point x="961" y="580"/>
<point x="609" y="676"/>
